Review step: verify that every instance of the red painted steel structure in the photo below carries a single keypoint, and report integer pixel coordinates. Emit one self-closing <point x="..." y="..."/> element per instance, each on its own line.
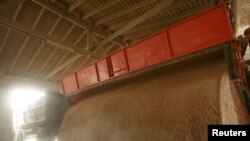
<point x="207" y="29"/>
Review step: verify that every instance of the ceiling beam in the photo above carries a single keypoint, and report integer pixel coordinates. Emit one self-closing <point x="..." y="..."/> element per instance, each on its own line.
<point x="60" y="61"/>
<point x="167" y="20"/>
<point x="18" y="54"/>
<point x="123" y="12"/>
<point x="20" y="5"/>
<point x="50" y="39"/>
<point x="83" y="25"/>
<point x="13" y="81"/>
<point x="97" y="49"/>
<point x="69" y="69"/>
<point x="118" y="25"/>
<point x="33" y="58"/>
<point x="148" y="31"/>
<point x="144" y="33"/>
<point x="63" y="72"/>
<point x="173" y="6"/>
<point x="99" y="9"/>
<point x="62" y="66"/>
<point x="148" y="26"/>
<point x="46" y="62"/>
<point x="79" y="38"/>
<point x="5" y="39"/>
<point x="109" y="48"/>
<point x="137" y="21"/>
<point x="38" y="18"/>
<point x="68" y="32"/>
<point x="89" y="33"/>
<point x="152" y="30"/>
<point x="76" y="4"/>
<point x="54" y="25"/>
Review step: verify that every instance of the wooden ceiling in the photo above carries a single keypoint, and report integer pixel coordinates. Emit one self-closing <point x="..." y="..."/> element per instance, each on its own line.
<point x="48" y="39"/>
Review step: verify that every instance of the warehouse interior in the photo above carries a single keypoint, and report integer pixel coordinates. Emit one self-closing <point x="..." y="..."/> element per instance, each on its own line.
<point x="42" y="42"/>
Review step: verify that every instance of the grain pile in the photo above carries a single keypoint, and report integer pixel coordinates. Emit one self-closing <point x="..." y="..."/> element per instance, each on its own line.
<point x="172" y="104"/>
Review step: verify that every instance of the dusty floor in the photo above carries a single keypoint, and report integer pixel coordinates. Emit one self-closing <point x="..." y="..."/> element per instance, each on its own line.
<point x="172" y="104"/>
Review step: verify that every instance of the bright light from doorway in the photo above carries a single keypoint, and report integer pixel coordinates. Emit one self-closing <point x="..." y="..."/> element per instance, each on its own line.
<point x="22" y="97"/>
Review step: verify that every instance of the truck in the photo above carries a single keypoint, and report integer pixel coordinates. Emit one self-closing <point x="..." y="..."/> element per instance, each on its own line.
<point x="41" y="119"/>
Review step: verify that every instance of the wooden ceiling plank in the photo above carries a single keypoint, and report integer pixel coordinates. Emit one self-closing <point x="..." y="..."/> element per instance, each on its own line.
<point x="60" y="62"/>
<point x="123" y="12"/>
<point x="147" y="26"/>
<point x="109" y="48"/>
<point x="62" y="59"/>
<point x="62" y="66"/>
<point x="50" y="39"/>
<point x="69" y="69"/>
<point x="119" y="25"/>
<point x="142" y="34"/>
<point x="89" y="33"/>
<point x="5" y="39"/>
<point x="46" y="62"/>
<point x="137" y="21"/>
<point x="79" y="38"/>
<point x="38" y="18"/>
<point x="68" y="32"/>
<point x="76" y="4"/>
<point x="73" y="20"/>
<point x="151" y="31"/>
<point x="54" y="25"/>
<point x="59" y="77"/>
<point x="99" y="9"/>
<point x="33" y="58"/>
<point x="20" y="5"/>
<point x="97" y="49"/>
<point x="173" y="6"/>
<point x="18" y="54"/>
<point x="166" y="20"/>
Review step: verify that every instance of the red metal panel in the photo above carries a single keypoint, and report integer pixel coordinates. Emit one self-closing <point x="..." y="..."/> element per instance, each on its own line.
<point x="69" y="84"/>
<point x="205" y="30"/>
<point x="103" y="70"/>
<point x="148" y="52"/>
<point x="87" y="76"/>
<point x="119" y="65"/>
